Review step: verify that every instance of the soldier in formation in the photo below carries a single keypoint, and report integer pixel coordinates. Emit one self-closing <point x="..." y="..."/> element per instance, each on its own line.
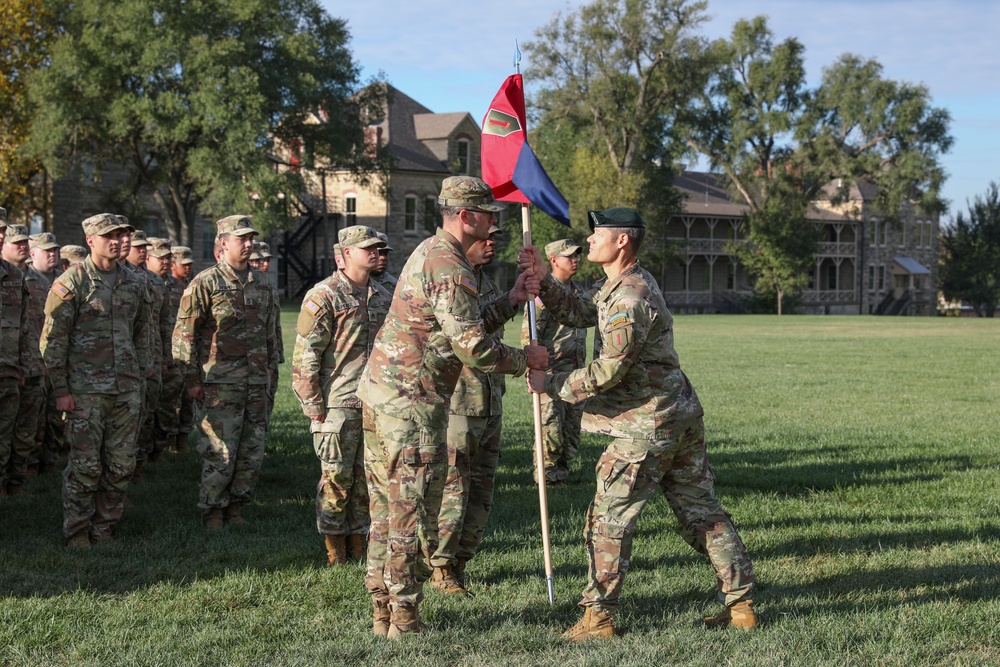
<point x="14" y="359"/>
<point x="636" y="393"/>
<point x="433" y="327"/>
<point x="335" y="332"/>
<point x="224" y="341"/>
<point x="94" y="344"/>
<point x="380" y="274"/>
<point x="44" y="250"/>
<point x="177" y="407"/>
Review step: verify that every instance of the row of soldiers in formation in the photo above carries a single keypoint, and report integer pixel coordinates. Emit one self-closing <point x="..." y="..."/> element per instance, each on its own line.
<point x="402" y="384"/>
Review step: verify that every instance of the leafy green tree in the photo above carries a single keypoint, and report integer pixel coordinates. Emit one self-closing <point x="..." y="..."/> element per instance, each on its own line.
<point x="970" y="255"/>
<point x="205" y="102"/>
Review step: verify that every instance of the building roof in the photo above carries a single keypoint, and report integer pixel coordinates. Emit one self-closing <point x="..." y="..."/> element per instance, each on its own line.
<point x="911" y="266"/>
<point x="405" y="127"/>
<point x="437" y="125"/>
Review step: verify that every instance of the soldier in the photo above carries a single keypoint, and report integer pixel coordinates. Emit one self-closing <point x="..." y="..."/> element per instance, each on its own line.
<point x="70" y="255"/>
<point x="474" y="423"/>
<point x="380" y="274"/>
<point x="44" y="251"/>
<point x="338" y="256"/>
<point x="567" y="348"/>
<point x="433" y="327"/>
<point x="159" y="260"/>
<point x="263" y="252"/>
<point x="180" y="426"/>
<point x="14" y="347"/>
<point x="224" y="341"/>
<point x="94" y="346"/>
<point x="32" y="389"/>
<point x="334" y="336"/>
<point x="636" y="392"/>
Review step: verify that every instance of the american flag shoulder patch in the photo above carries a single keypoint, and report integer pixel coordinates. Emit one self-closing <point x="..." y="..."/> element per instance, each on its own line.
<point x="468" y="283"/>
<point x="61" y="291"/>
<point x="311" y="306"/>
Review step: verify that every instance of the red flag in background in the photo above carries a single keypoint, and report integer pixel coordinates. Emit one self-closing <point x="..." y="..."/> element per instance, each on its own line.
<point x="509" y="164"/>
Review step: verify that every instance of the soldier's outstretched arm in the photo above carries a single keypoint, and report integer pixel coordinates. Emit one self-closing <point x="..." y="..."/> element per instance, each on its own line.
<point x="314" y="332"/>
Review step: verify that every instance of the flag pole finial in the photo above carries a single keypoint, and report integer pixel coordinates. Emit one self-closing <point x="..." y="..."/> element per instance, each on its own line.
<point x="517" y="58"/>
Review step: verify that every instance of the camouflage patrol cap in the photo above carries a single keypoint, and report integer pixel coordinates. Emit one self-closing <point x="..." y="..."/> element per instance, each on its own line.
<point x="265" y="250"/>
<point x="468" y="192"/>
<point x="495" y="229"/>
<point x="126" y="224"/>
<point x="101" y="224"/>
<point x="3" y="218"/>
<point x="338" y="249"/>
<point x="237" y="225"/>
<point x="16" y="233"/>
<point x="139" y="239"/>
<point x="181" y="254"/>
<point x="159" y="248"/>
<point x="45" y="241"/>
<point x="358" y="236"/>
<point x="74" y="253"/>
<point x="385" y="239"/>
<point x="562" y="248"/>
<point x="255" y="253"/>
<point x="615" y="217"/>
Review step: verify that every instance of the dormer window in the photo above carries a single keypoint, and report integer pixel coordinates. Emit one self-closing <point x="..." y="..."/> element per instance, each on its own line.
<point x="463" y="156"/>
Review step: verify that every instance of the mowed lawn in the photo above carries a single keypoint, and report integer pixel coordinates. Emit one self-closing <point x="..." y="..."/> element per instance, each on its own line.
<point x="859" y="457"/>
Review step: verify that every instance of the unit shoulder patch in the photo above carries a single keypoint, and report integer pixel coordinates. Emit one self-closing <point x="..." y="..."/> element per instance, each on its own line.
<point x="619" y="319"/>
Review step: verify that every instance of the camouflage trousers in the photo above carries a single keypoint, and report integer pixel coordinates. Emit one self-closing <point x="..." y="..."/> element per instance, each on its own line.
<point x="101" y="434"/>
<point x="32" y="403"/>
<point x="628" y="473"/>
<point x="405" y="463"/>
<point x="168" y="409"/>
<point x="560" y="433"/>
<point x="147" y="431"/>
<point x="271" y="393"/>
<point x="342" y="492"/>
<point x="50" y="436"/>
<point x="473" y="452"/>
<point x="233" y="430"/>
<point x="9" y="402"/>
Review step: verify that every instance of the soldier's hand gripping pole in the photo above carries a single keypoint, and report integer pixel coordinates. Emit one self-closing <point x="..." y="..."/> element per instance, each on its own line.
<point x="536" y="404"/>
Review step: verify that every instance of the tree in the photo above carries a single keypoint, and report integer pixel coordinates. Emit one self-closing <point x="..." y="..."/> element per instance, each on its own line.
<point x="970" y="255"/>
<point x="25" y="31"/>
<point x="611" y="78"/>
<point x="203" y="102"/>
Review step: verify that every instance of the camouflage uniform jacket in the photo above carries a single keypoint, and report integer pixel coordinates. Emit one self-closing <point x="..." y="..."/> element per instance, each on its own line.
<point x="175" y="288"/>
<point x="480" y="394"/>
<point x="225" y="328"/>
<point x="636" y="388"/>
<point x="15" y="326"/>
<point x="95" y="333"/>
<point x="567" y="345"/>
<point x="333" y="340"/>
<point x="433" y="327"/>
<point x="156" y="298"/>
<point x="38" y="290"/>
<point x="387" y="280"/>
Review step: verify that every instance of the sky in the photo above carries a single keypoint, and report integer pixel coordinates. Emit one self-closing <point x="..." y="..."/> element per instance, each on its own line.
<point x="453" y="56"/>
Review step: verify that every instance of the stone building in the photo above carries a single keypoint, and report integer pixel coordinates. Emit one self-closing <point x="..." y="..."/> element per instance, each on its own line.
<point x="864" y="263"/>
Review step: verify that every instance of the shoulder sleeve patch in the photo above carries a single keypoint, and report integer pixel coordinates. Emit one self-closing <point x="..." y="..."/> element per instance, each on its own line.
<point x="311" y="305"/>
<point x="619" y="319"/>
<point x="61" y="291"/>
<point x="468" y="283"/>
<point x="189" y="291"/>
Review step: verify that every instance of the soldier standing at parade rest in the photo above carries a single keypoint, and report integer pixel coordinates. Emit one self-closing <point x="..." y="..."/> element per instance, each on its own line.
<point x="383" y="277"/>
<point x="44" y="251"/>
<point x="636" y="393"/>
<point x="567" y="348"/>
<point x="32" y="390"/>
<point x="432" y="329"/>
<point x="335" y="332"/>
<point x="94" y="345"/>
<point x="224" y="341"/>
<point x="15" y="337"/>
<point x="474" y="421"/>
<point x="175" y="400"/>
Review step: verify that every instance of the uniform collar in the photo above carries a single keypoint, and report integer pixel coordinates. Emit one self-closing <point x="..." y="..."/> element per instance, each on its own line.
<point x="611" y="285"/>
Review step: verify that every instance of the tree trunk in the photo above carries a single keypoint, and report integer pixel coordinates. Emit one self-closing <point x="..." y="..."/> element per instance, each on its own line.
<point x="781" y="295"/>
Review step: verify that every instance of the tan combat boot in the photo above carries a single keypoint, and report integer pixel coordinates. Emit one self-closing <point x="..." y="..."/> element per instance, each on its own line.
<point x="79" y="542"/>
<point x="596" y="623"/>
<point x="357" y="547"/>
<point x="381" y="617"/>
<point x="232" y="515"/>
<point x="445" y="579"/>
<point x="213" y="520"/>
<point x="740" y="615"/>
<point x="405" y="621"/>
<point x="336" y="550"/>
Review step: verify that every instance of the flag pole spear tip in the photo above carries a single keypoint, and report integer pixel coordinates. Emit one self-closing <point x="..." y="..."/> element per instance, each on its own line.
<point x="517" y="58"/>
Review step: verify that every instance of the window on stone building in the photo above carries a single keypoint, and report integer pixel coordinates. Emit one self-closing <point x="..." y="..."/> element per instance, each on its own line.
<point x="350" y="210"/>
<point x="901" y="235"/>
<point x="152" y="227"/>
<point x="881" y="277"/>
<point x="871" y="277"/>
<point x="918" y="282"/>
<point x="36" y="225"/>
<point x="463" y="156"/>
<point x="208" y="241"/>
<point x="410" y="213"/>
<point x="831" y="277"/>
<point x="430" y="213"/>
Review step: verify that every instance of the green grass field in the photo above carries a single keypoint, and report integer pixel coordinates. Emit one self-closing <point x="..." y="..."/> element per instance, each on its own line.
<point x="859" y="457"/>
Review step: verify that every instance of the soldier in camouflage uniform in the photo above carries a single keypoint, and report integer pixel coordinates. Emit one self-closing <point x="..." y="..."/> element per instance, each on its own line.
<point x="158" y="264"/>
<point x="383" y="277"/>
<point x="567" y="348"/>
<point x="177" y="408"/>
<point x="474" y="422"/>
<point x="432" y="329"/>
<point x="94" y="348"/>
<point x="260" y="259"/>
<point x="70" y="255"/>
<point x="32" y="392"/>
<point x="15" y="337"/>
<point x="637" y="393"/>
<point x="44" y="251"/>
<point x="336" y="329"/>
<point x="224" y="341"/>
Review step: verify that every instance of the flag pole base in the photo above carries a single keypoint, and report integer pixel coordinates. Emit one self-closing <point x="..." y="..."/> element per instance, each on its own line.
<point x="552" y="597"/>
